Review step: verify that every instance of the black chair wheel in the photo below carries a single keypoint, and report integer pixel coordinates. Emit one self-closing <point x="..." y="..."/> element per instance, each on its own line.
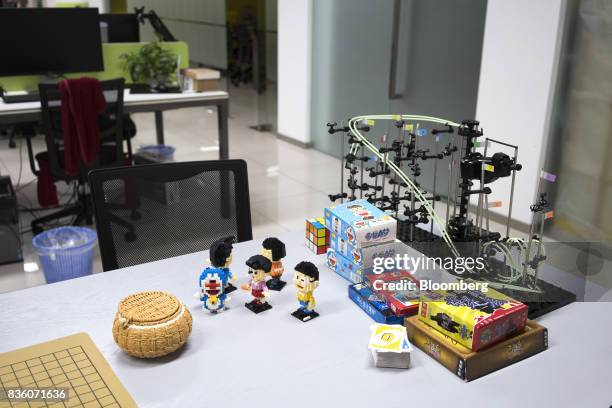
<point x="130" y="236"/>
<point x="12" y="144"/>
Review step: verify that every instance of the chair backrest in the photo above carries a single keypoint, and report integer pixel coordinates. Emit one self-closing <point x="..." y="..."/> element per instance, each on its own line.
<point x="110" y="123"/>
<point x="156" y="211"/>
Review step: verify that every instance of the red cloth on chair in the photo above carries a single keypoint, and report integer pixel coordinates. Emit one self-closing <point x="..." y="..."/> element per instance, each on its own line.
<point x="45" y="188"/>
<point x="82" y="101"/>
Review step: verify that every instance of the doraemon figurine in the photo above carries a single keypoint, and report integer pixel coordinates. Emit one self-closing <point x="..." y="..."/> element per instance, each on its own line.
<point x="212" y="289"/>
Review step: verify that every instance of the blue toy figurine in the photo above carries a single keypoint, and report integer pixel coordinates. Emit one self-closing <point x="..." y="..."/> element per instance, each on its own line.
<point x="212" y="289"/>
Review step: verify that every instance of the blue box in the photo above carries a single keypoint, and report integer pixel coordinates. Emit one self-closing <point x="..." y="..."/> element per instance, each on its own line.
<point x="358" y="224"/>
<point x="366" y="257"/>
<point x="344" y="267"/>
<point x="376" y="308"/>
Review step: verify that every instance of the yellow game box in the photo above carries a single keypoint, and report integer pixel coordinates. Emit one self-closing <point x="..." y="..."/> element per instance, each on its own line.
<point x="473" y="318"/>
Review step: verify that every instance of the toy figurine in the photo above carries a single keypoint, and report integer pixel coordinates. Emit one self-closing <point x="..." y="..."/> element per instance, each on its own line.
<point x="259" y="267"/>
<point x="274" y="250"/>
<point x="212" y="285"/>
<point x="306" y="280"/>
<point x="221" y="257"/>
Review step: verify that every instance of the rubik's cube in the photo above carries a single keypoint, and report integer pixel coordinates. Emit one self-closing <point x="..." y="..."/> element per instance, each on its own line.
<point x="317" y="236"/>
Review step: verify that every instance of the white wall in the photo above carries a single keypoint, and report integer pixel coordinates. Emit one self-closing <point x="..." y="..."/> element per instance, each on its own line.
<point x="294" y="68"/>
<point x="519" y="60"/>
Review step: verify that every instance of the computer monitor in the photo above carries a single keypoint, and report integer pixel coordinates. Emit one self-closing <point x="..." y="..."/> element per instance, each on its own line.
<point x="121" y="27"/>
<point x="50" y="41"/>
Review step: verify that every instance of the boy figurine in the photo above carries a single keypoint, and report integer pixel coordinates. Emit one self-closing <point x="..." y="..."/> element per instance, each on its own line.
<point x="306" y="280"/>
<point x="274" y="250"/>
<point x="259" y="267"/>
<point x="221" y="257"/>
<point x="212" y="285"/>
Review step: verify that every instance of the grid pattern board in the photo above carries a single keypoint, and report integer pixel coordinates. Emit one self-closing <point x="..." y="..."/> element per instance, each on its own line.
<point x="149" y="213"/>
<point x="69" y="368"/>
<point x="317" y="236"/>
<point x="73" y="363"/>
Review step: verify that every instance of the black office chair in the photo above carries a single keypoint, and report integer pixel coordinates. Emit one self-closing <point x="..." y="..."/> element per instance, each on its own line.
<point x="156" y="211"/>
<point x="111" y="153"/>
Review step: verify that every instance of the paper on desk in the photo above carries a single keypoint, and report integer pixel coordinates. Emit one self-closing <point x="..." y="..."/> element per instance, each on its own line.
<point x="15" y="93"/>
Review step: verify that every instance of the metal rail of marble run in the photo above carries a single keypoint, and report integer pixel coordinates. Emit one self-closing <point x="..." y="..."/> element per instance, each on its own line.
<point x="521" y="258"/>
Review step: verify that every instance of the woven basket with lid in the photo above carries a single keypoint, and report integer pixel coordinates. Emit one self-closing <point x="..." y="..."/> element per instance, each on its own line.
<point x="151" y="324"/>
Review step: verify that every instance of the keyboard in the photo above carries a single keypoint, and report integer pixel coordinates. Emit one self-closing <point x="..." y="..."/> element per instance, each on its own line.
<point x="17" y="97"/>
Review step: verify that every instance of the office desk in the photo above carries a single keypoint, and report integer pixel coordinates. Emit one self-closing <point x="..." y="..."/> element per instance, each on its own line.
<point x="239" y="359"/>
<point x="14" y="113"/>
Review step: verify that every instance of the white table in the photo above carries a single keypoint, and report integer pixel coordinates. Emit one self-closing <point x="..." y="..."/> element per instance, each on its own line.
<point x="14" y="113"/>
<point x="239" y="359"/>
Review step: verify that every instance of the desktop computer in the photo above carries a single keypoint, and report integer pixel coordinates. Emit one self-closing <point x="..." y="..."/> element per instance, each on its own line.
<point x="10" y="235"/>
<point x="48" y="41"/>
<point x="120" y="27"/>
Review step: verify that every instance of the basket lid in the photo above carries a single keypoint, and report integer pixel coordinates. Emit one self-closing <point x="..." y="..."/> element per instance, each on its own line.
<point x="149" y="307"/>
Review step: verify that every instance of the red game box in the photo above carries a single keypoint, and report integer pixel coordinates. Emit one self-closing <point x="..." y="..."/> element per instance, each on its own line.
<point x="401" y="302"/>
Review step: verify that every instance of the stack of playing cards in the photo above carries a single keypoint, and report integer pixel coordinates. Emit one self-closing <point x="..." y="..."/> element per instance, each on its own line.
<point x="390" y="346"/>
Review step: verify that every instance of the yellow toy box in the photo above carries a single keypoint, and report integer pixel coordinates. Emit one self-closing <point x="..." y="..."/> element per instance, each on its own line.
<point x="473" y="318"/>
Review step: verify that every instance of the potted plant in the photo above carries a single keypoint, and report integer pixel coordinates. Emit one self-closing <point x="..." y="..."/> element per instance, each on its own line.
<point x="152" y="65"/>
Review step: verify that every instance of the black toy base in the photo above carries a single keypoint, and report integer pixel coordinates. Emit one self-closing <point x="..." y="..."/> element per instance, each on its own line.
<point x="305" y="317"/>
<point x="276" y="284"/>
<point x="229" y="288"/>
<point x="551" y="298"/>
<point x="539" y="304"/>
<point x="256" y="307"/>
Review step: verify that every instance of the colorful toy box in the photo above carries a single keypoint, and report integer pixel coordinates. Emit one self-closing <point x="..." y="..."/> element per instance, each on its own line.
<point x="317" y="236"/>
<point x="365" y="258"/>
<point x="473" y="318"/>
<point x="358" y="224"/>
<point x="344" y="267"/>
<point x="469" y="365"/>
<point x="374" y="305"/>
<point x="401" y="302"/>
<point x="385" y="306"/>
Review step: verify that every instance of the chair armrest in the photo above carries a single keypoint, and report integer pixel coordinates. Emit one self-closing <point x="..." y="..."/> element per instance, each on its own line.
<point x="31" y="155"/>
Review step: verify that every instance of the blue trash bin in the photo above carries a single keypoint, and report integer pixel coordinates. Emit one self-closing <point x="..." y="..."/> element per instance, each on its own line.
<point x="160" y="153"/>
<point x="65" y="252"/>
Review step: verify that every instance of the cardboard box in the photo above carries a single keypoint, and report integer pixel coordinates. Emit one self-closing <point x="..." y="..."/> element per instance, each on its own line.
<point x="469" y="365"/>
<point x="401" y="302"/>
<point x="473" y="318"/>
<point x="344" y="267"/>
<point x="366" y="257"/>
<point x="375" y="306"/>
<point x="358" y="224"/>
<point x="202" y="79"/>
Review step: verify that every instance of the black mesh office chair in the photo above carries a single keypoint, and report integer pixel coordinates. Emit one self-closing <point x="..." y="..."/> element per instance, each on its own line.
<point x="156" y="211"/>
<point x="111" y="153"/>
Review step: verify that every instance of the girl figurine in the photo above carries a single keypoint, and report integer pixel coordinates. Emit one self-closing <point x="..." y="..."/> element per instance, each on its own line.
<point x="274" y="250"/>
<point x="259" y="267"/>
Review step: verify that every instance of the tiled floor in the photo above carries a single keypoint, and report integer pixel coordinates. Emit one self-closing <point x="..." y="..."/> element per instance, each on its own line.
<point x="287" y="183"/>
